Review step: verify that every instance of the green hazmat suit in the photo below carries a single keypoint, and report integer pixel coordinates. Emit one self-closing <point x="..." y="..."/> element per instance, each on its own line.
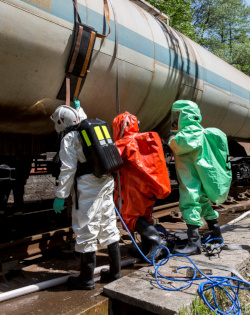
<point x="202" y="167"/>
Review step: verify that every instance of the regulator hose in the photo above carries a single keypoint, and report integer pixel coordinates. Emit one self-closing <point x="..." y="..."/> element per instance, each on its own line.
<point x="230" y="286"/>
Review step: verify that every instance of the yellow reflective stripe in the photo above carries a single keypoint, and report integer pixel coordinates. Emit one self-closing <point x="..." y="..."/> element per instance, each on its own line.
<point x="86" y="138"/>
<point x="99" y="133"/>
<point x="106" y="132"/>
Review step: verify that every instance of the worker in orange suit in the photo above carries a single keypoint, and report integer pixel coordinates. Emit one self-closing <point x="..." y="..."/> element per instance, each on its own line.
<point x="143" y="178"/>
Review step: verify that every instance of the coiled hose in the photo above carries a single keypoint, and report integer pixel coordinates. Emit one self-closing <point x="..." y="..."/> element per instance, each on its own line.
<point x="229" y="285"/>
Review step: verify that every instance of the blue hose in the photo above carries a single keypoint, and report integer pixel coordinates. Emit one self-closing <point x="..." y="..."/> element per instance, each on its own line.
<point x="229" y="285"/>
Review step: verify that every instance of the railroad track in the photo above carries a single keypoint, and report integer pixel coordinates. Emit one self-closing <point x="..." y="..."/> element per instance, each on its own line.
<point x="15" y="250"/>
<point x="168" y="215"/>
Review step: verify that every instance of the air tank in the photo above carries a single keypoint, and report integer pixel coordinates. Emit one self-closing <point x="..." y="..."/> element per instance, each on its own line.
<point x="149" y="63"/>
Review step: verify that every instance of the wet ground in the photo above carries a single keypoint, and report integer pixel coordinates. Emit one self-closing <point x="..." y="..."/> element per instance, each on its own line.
<point x="56" y="300"/>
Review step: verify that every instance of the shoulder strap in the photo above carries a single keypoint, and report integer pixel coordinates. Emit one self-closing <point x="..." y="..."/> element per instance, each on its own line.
<point x="67" y="130"/>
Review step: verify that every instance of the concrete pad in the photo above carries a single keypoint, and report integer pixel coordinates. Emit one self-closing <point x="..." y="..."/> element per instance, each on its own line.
<point x="141" y="290"/>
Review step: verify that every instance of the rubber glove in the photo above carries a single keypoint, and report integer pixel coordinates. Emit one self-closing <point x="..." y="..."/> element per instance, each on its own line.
<point x="58" y="205"/>
<point x="76" y="103"/>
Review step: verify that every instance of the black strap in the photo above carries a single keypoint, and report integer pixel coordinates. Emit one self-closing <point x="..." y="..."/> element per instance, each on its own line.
<point x="82" y="168"/>
<point x="67" y="130"/>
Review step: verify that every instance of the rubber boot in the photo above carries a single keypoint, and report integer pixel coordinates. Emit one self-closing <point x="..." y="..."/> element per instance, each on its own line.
<point x="194" y="242"/>
<point x="214" y="228"/>
<point x="85" y="281"/>
<point x="151" y="239"/>
<point x="114" y="271"/>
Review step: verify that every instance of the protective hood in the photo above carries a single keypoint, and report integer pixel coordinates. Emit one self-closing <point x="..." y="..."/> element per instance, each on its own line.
<point x="201" y="155"/>
<point x="81" y="113"/>
<point x="124" y="124"/>
<point x="185" y="113"/>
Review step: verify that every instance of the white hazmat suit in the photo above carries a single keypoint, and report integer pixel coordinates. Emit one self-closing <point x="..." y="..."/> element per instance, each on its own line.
<point x="95" y="219"/>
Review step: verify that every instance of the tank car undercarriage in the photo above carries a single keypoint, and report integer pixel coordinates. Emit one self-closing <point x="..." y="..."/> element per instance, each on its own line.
<point x="21" y="158"/>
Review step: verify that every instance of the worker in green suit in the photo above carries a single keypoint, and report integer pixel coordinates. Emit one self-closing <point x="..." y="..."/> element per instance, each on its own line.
<point x="203" y="171"/>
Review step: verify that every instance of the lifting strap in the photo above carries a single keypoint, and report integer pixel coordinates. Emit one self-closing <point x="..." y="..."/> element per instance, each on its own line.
<point x="80" y="56"/>
<point x="106" y="9"/>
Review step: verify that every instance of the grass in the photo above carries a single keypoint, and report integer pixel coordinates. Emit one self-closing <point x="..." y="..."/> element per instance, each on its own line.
<point x="199" y="308"/>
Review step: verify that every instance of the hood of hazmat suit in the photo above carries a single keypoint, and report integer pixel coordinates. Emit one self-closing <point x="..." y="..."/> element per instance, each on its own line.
<point x="201" y="155"/>
<point x="144" y="174"/>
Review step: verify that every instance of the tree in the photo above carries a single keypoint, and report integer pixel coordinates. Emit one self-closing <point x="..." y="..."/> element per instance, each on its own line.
<point x="223" y="27"/>
<point x="238" y="55"/>
<point x="180" y="12"/>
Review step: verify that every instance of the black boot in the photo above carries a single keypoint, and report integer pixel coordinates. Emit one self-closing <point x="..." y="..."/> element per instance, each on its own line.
<point x="113" y="273"/>
<point x="214" y="229"/>
<point x="85" y="281"/>
<point x="151" y="239"/>
<point x="194" y="242"/>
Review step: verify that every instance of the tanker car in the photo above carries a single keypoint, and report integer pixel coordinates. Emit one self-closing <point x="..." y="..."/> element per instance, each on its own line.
<point x="142" y="66"/>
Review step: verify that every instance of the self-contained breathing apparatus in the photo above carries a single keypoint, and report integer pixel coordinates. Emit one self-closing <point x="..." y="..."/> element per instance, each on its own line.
<point x="99" y="149"/>
<point x="98" y="146"/>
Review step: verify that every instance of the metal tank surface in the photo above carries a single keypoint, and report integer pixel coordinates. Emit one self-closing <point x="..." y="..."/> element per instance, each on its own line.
<point x="156" y="66"/>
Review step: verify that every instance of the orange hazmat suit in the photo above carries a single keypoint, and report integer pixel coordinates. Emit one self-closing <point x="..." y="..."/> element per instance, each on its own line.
<point x="144" y="175"/>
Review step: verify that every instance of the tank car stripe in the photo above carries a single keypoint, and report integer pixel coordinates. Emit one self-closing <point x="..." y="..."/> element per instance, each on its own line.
<point x="134" y="41"/>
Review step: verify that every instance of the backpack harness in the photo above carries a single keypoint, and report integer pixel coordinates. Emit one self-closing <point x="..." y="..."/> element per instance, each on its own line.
<point x="98" y="147"/>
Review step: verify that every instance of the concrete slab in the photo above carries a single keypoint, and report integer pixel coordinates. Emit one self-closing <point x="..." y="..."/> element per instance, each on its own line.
<point x="141" y="290"/>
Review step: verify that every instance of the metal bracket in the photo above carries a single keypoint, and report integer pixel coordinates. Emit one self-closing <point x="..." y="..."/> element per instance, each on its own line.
<point x="152" y="10"/>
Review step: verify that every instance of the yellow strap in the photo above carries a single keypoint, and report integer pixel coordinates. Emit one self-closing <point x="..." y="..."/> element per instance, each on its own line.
<point x="85" y="64"/>
<point x="77" y="47"/>
<point x="106" y="8"/>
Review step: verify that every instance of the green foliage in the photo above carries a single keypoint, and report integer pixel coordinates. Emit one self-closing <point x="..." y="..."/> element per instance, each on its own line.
<point x="221" y="26"/>
<point x="238" y="55"/>
<point x="197" y="308"/>
<point x="180" y="12"/>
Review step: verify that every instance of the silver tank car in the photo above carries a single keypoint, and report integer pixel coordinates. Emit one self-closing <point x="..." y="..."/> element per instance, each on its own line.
<point x="156" y="66"/>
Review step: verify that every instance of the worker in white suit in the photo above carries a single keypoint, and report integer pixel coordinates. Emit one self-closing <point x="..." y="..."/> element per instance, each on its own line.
<point x="95" y="219"/>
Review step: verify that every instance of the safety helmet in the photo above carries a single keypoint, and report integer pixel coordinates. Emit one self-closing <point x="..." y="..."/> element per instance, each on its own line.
<point x="64" y="116"/>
